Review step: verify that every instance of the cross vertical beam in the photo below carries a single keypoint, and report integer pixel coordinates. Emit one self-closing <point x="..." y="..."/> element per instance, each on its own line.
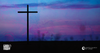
<point x="27" y="19"/>
<point x="27" y="23"/>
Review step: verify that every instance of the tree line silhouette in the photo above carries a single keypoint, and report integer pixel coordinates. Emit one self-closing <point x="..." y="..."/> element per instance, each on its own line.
<point x="57" y="37"/>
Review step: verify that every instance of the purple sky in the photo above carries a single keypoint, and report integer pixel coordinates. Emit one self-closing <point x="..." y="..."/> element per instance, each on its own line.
<point x="55" y="16"/>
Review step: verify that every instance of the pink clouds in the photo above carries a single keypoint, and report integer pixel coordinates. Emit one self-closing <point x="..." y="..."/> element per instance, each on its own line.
<point x="68" y="30"/>
<point x="65" y="27"/>
<point x="12" y="27"/>
<point x="96" y="28"/>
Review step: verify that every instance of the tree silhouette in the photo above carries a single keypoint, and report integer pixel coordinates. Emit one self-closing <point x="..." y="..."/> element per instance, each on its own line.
<point x="66" y="39"/>
<point x="51" y="37"/>
<point x="97" y="38"/>
<point x="83" y="39"/>
<point x="71" y="38"/>
<point x="33" y="38"/>
<point x="39" y="35"/>
<point x="57" y="36"/>
<point x="91" y="37"/>
<point x="43" y="36"/>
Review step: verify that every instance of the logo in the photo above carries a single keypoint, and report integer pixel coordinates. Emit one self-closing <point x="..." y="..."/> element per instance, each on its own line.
<point x="83" y="48"/>
<point x="6" y="46"/>
<point x="88" y="48"/>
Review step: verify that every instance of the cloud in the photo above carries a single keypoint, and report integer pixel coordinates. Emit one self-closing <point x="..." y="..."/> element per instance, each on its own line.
<point x="56" y="5"/>
<point x="68" y="29"/>
<point x="75" y="6"/>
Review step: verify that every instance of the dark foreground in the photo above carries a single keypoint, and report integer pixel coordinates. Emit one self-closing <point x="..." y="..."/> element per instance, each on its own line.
<point x="44" y="46"/>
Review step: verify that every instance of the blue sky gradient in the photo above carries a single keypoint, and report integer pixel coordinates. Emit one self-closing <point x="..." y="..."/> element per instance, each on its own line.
<point x="77" y="18"/>
<point x="55" y="4"/>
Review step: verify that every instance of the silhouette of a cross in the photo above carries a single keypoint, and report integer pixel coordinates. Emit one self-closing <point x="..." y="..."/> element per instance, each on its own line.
<point x="27" y="19"/>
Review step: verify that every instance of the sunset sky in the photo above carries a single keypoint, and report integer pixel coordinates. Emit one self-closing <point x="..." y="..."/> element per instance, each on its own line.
<point x="68" y="17"/>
